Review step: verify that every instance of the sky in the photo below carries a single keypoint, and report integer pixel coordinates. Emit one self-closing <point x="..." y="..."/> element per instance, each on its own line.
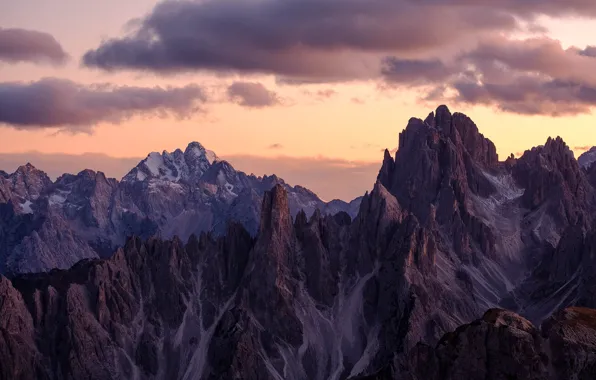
<point x="311" y="90"/>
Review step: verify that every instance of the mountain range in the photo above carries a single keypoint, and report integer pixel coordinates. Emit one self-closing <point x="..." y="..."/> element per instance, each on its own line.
<point x="46" y="225"/>
<point x="443" y="272"/>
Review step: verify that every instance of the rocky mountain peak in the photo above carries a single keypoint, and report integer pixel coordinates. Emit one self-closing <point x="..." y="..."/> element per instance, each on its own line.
<point x="275" y="212"/>
<point x="29" y="170"/>
<point x="462" y="131"/>
<point x="188" y="166"/>
<point x="196" y="149"/>
<point x="386" y="173"/>
<point x="553" y="178"/>
<point x="443" y="119"/>
<point x="27" y="182"/>
<point x="556" y="147"/>
<point x="439" y="161"/>
<point x="587" y="159"/>
<point x="480" y="149"/>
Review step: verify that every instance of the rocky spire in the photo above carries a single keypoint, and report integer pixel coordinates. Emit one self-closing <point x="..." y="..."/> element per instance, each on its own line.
<point x="552" y="178"/>
<point x="28" y="182"/>
<point x="388" y="167"/>
<point x="273" y="280"/>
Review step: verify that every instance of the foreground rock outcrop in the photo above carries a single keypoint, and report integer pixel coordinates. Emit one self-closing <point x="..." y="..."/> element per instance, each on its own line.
<point x="503" y="345"/>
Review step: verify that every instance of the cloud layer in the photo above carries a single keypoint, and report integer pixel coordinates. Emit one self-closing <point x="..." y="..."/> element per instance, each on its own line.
<point x="310" y="40"/>
<point x="21" y="45"/>
<point x="531" y="76"/>
<point x="456" y="50"/>
<point x="60" y="103"/>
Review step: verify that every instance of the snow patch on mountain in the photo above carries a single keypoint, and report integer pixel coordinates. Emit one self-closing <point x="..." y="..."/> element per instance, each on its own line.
<point x="177" y="166"/>
<point x="26" y="207"/>
<point x="211" y="156"/>
<point x="58" y="198"/>
<point x="154" y="163"/>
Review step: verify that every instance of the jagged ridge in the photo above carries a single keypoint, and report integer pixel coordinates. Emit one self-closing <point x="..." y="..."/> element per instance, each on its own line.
<point x="45" y="224"/>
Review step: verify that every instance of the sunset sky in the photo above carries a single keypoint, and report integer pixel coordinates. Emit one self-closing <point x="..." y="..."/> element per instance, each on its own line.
<point x="311" y="90"/>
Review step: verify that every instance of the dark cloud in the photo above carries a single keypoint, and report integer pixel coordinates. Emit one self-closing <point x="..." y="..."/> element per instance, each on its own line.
<point x="589" y="51"/>
<point x="415" y="71"/>
<point x="303" y="40"/>
<point x="51" y="103"/>
<point x="528" y="8"/>
<point x="454" y="50"/>
<point x="20" y="45"/>
<point x="252" y="95"/>
<point x="529" y="95"/>
<point x="531" y="76"/>
<point x="275" y="146"/>
<point x="540" y="56"/>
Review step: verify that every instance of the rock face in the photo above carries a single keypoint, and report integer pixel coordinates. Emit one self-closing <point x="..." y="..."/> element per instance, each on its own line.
<point x="45" y="224"/>
<point x="447" y="232"/>
<point x="587" y="159"/>
<point x="503" y="345"/>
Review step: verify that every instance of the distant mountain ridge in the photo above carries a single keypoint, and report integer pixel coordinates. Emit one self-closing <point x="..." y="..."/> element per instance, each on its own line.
<point x="48" y="224"/>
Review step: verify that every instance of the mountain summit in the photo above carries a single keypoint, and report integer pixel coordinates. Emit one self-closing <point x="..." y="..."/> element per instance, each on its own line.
<point x="188" y="166"/>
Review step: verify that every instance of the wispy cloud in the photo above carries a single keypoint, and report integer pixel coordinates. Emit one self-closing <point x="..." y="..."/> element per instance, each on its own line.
<point x="252" y="95"/>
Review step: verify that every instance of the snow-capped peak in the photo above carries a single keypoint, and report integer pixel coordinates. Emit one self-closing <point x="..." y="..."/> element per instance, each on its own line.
<point x="154" y="162"/>
<point x="177" y="166"/>
<point x="196" y="149"/>
<point x="587" y="159"/>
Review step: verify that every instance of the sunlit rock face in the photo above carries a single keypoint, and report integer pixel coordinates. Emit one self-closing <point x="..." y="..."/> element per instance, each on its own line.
<point x="400" y="291"/>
